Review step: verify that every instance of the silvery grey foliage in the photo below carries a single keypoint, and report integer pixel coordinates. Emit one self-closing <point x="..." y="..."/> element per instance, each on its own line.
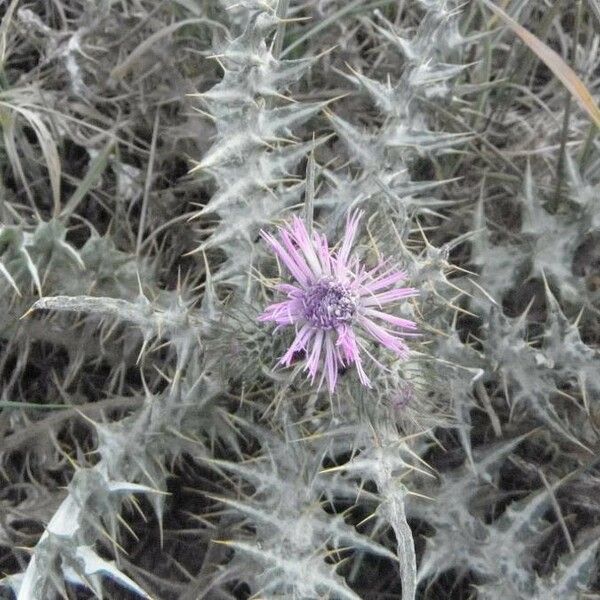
<point x="151" y="445"/>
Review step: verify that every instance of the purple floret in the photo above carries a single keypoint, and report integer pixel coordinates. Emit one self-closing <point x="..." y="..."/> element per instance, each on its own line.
<point x="335" y="303"/>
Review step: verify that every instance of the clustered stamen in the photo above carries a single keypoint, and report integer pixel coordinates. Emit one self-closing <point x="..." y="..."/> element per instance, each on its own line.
<point x="327" y="304"/>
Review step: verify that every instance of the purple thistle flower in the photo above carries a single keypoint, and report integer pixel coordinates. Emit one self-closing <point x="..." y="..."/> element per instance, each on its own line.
<point x="335" y="302"/>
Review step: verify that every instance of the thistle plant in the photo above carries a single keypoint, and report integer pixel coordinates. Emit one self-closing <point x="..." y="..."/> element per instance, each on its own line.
<point x="428" y="190"/>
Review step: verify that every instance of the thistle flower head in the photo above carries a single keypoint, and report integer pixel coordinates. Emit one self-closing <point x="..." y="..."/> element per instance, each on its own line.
<point x="335" y="303"/>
